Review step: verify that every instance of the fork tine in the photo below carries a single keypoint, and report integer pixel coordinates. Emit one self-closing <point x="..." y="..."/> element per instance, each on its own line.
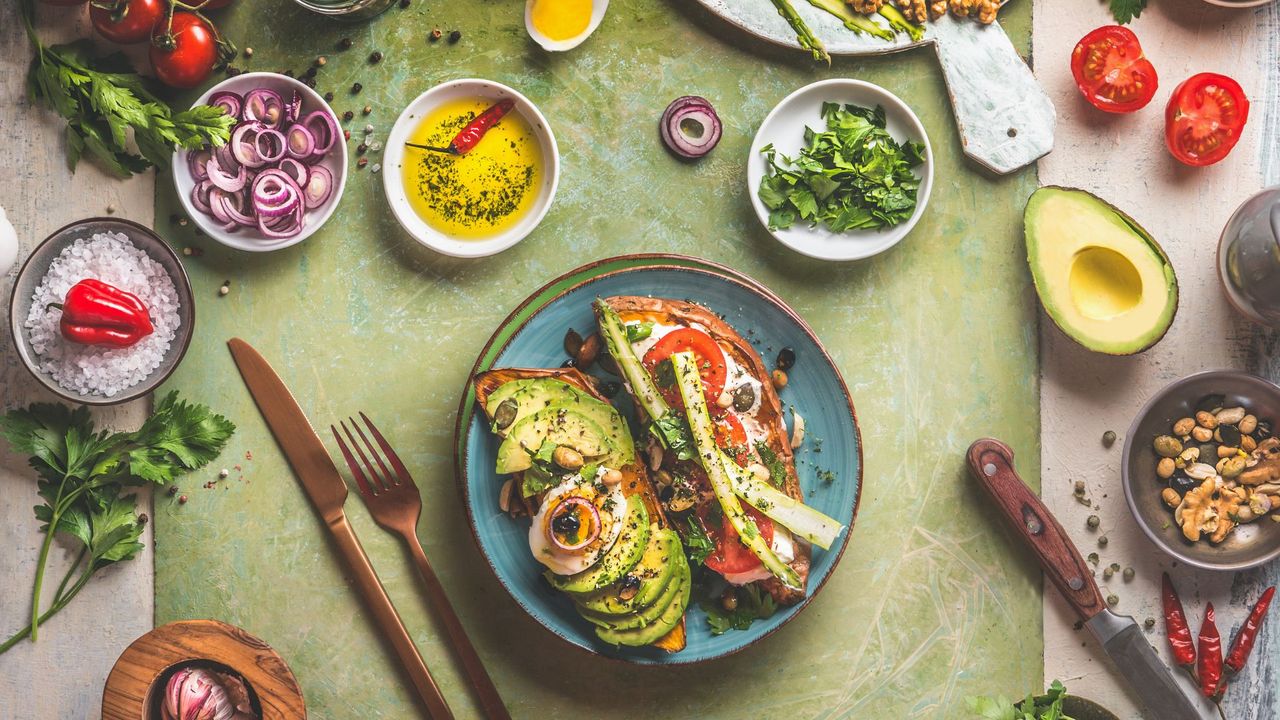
<point x="401" y="471"/>
<point x="351" y="462"/>
<point x="388" y="479"/>
<point x="375" y="480"/>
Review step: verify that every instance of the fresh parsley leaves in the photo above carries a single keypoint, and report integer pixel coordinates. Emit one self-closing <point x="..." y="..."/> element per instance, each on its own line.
<point x="1041" y="707"/>
<point x="777" y="469"/>
<point x="1125" y="11"/>
<point x="753" y="604"/>
<point x="697" y="544"/>
<point x="853" y="176"/>
<point x="102" y="98"/>
<point x="672" y="430"/>
<point x="83" y="473"/>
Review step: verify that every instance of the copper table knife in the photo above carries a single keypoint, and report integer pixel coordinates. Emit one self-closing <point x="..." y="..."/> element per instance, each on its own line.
<point x="324" y="486"/>
<point x="991" y="462"/>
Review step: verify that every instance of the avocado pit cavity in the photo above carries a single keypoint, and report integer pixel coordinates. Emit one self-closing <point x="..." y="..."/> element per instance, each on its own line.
<point x="1104" y="284"/>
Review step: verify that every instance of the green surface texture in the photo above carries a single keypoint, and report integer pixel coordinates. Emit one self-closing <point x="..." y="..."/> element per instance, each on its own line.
<point x="936" y="340"/>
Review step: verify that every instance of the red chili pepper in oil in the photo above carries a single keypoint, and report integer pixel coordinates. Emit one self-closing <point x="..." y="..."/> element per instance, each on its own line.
<point x="95" y="313"/>
<point x="468" y="136"/>
<point x="1243" y="642"/>
<point x="1209" y="665"/>
<point x="1175" y="625"/>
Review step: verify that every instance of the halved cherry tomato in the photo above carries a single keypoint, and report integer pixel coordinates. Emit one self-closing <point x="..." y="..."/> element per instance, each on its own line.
<point x="711" y="363"/>
<point x="126" y="21"/>
<point x="183" y="54"/>
<point x="1111" y="71"/>
<point x="732" y="437"/>
<point x="1204" y="118"/>
<point x="730" y="556"/>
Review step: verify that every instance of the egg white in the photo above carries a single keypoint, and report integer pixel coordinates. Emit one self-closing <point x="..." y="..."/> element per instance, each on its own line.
<point x="563" y="562"/>
<point x="597" y="14"/>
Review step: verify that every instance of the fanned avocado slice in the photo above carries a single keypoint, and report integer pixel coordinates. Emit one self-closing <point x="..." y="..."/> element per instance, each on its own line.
<point x="670" y="617"/>
<point x="618" y="561"/>
<point x="642" y="616"/>
<point x="654" y="573"/>
<point x="559" y="424"/>
<point x="528" y="396"/>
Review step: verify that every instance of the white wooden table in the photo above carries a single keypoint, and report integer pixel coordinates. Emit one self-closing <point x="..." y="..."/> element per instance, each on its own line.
<point x="1082" y="395"/>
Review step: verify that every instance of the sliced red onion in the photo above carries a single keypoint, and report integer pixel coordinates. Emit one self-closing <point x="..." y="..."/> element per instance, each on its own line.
<point x="244" y="144"/>
<point x="227" y="158"/>
<point x="274" y="147"/>
<point x="318" y="188"/>
<point x="200" y="196"/>
<point x="275" y="194"/>
<point x="324" y="129"/>
<point x="293" y="108"/>
<point x="690" y="127"/>
<point x="229" y="101"/>
<point x="296" y="170"/>
<point x="264" y="106"/>
<point x="293" y="227"/>
<point x="301" y="143"/>
<point x="229" y="207"/>
<point x="196" y="160"/>
<point x="224" y="180"/>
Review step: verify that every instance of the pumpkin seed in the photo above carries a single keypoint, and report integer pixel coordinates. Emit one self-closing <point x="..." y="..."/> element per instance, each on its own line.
<point x="744" y="397"/>
<point x="505" y="414"/>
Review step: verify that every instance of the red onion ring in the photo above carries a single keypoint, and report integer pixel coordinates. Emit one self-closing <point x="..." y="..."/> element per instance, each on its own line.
<point x="556" y="511"/>
<point x="296" y="170"/>
<point x="318" y="188"/>
<point x="301" y="143"/>
<point x="293" y="108"/>
<point x="224" y="180"/>
<point x="275" y="148"/>
<point x="326" y="135"/>
<point x="200" y="196"/>
<point x="264" y="106"/>
<point x="196" y="160"/>
<point x="229" y="101"/>
<point x="690" y="127"/>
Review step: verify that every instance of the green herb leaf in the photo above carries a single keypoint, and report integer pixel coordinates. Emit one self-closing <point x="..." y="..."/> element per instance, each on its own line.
<point x="697" y="544"/>
<point x="639" y="331"/>
<point x="753" y="604"/>
<point x="672" y="430"/>
<point x="1125" y="11"/>
<point x="178" y="437"/>
<point x="777" y="468"/>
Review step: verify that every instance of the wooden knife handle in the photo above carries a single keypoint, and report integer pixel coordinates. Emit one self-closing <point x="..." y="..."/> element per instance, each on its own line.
<point x="991" y="462"/>
<point x="388" y="619"/>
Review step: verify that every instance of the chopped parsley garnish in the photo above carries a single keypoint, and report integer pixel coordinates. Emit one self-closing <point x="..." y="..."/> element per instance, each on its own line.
<point x="753" y="604"/>
<point x="673" y="431"/>
<point x="777" y="469"/>
<point x="697" y="545"/>
<point x="826" y="476"/>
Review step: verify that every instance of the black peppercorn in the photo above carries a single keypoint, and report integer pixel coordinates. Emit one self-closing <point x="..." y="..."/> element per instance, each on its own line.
<point x="455" y="36"/>
<point x="356" y="88"/>
<point x="348" y="115"/>
<point x="311" y="72"/>
<point x="404" y="4"/>
<point x="328" y="97"/>
<point x="309" y="82"/>
<point x="361" y="148"/>
<point x="345" y="44"/>
<point x="375" y="56"/>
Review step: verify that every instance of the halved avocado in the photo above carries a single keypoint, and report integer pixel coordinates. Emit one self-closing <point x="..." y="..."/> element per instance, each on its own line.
<point x="530" y="395"/>
<point x="670" y="617"/>
<point x="560" y="424"/>
<point x="620" y="558"/>
<point x="646" y="615"/>
<point x="1100" y="276"/>
<point x="653" y="573"/>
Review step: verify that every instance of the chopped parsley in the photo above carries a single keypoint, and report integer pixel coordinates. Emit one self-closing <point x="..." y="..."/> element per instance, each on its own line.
<point x="697" y="545"/>
<point x="673" y="431"/>
<point x="777" y="469"/>
<point x="826" y="476"/>
<point x="753" y="604"/>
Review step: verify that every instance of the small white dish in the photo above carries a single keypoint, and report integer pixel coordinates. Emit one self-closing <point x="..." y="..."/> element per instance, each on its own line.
<point x="784" y="127"/>
<point x="393" y="159"/>
<point x="251" y="239"/>
<point x="598" y="8"/>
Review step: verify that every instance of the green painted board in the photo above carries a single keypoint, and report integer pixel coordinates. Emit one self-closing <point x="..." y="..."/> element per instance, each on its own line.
<point x="936" y="340"/>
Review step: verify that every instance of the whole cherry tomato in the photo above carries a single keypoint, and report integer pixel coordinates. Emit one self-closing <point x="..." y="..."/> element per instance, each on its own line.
<point x="1204" y="118"/>
<point x="183" y="52"/>
<point x="126" y="21"/>
<point x="1111" y="71"/>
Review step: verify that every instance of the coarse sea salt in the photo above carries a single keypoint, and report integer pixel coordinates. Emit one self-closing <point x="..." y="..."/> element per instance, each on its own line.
<point x="97" y="369"/>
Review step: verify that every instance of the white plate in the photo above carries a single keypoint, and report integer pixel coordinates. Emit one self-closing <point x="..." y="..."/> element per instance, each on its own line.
<point x="784" y="127"/>
<point x="393" y="161"/>
<point x="336" y="161"/>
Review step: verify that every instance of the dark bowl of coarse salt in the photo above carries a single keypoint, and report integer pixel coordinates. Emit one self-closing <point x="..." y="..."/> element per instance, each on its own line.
<point x="124" y="255"/>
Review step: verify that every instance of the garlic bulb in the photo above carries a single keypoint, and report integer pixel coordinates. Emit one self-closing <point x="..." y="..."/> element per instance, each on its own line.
<point x="8" y="243"/>
<point x="199" y="694"/>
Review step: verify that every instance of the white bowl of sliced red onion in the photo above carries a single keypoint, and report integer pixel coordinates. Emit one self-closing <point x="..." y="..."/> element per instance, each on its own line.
<point x="281" y="174"/>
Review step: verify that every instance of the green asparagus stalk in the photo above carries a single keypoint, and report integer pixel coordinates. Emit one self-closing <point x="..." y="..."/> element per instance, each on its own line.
<point x="856" y="22"/>
<point x="804" y="35"/>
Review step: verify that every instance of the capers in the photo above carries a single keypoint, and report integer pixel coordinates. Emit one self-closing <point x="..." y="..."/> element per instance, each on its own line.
<point x="1167" y="446"/>
<point x="1113" y="600"/>
<point x="1128" y="574"/>
<point x="1149" y="623"/>
<point x="786" y="358"/>
<point x="744" y="397"/>
<point x="567" y="458"/>
<point x="1107" y="573"/>
<point x="1102" y="541"/>
<point x="1079" y="488"/>
<point x="1093" y="522"/>
<point x="505" y="414"/>
<point x="628" y="587"/>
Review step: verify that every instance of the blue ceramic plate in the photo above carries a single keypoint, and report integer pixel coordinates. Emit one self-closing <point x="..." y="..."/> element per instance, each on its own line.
<point x="532" y="337"/>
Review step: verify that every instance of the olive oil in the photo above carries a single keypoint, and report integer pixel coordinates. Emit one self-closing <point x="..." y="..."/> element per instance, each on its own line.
<point x="482" y="193"/>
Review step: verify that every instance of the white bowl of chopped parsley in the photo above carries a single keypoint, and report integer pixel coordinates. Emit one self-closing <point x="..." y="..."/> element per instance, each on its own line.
<point x="840" y="170"/>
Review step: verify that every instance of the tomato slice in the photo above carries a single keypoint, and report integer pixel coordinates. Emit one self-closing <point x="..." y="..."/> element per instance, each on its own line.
<point x="711" y="363"/>
<point x="730" y="555"/>
<point x="732" y="437"/>
<point x="1111" y="71"/>
<point x="1204" y="118"/>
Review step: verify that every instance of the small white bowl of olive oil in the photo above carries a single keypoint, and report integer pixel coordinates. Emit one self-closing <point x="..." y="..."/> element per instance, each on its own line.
<point x="478" y="203"/>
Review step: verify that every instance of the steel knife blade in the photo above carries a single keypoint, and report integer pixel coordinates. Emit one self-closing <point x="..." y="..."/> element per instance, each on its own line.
<point x="1127" y="646"/>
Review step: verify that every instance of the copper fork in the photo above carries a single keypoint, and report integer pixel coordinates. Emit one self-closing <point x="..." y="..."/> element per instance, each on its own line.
<point x="393" y="500"/>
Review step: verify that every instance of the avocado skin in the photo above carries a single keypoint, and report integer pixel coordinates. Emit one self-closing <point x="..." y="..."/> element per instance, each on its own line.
<point x="618" y="561"/>
<point x="656" y="569"/>
<point x="668" y="619"/>
<point x="1029" y="218"/>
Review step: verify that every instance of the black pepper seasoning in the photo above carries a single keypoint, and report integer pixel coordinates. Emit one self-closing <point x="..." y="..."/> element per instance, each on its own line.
<point x="361" y="148"/>
<point x="345" y="44"/>
<point x="455" y="36"/>
<point x="328" y="97"/>
<point x="356" y="88"/>
<point x="375" y="57"/>
<point x="404" y="4"/>
<point x="348" y="115"/>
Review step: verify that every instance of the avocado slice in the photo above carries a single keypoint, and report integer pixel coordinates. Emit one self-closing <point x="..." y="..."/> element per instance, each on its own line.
<point x="560" y="424"/>
<point x="670" y="617"/>
<point x="642" y="616"/>
<point x="618" y="560"/>
<point x="529" y="396"/>
<point x="1100" y="276"/>
<point x="654" y="572"/>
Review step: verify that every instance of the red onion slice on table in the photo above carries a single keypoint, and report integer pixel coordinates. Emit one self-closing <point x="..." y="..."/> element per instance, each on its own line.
<point x="690" y="127"/>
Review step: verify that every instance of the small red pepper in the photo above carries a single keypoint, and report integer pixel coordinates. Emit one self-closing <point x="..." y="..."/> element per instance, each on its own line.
<point x="1175" y="625"/>
<point x="1209" y="666"/>
<point x="1242" y="645"/>
<point x="467" y="138"/>
<point x="95" y="313"/>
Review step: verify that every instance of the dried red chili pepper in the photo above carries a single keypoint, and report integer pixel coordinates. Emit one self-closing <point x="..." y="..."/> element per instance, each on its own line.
<point x="95" y="313"/>
<point x="469" y="136"/>
<point x="1243" y="642"/>
<point x="1209" y="665"/>
<point x="1175" y="625"/>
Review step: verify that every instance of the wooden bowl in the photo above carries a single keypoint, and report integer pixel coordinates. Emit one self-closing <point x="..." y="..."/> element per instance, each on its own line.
<point x="132" y="685"/>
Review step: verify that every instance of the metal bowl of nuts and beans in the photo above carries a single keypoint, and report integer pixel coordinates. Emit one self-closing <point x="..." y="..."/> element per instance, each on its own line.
<point x="1201" y="470"/>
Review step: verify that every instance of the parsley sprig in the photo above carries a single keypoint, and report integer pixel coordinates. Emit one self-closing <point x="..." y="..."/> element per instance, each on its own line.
<point x="1042" y="707"/>
<point x="1125" y="11"/>
<point x="83" y="474"/>
<point x="753" y="604"/>
<point x="103" y="98"/>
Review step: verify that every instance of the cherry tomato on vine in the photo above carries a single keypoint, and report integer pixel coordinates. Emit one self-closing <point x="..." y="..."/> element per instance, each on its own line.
<point x="1204" y="118"/>
<point x="126" y="21"/>
<point x="1111" y="71"/>
<point x="183" y="52"/>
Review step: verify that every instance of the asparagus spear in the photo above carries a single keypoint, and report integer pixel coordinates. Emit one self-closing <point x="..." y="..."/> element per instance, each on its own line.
<point x="804" y="35"/>
<point x="899" y="22"/>
<point x="856" y="22"/>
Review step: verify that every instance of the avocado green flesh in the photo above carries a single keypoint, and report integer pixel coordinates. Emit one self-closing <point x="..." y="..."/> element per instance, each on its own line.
<point x="665" y="622"/>
<point x="530" y="396"/>
<point x="559" y="424"/>
<point x="1102" y="279"/>
<point x="641" y="616"/>
<point x="618" y="560"/>
<point x="655" y="571"/>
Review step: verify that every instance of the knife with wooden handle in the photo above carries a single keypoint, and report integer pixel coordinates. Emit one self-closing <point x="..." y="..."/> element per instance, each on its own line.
<point x="991" y="462"/>
<point x="319" y="477"/>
